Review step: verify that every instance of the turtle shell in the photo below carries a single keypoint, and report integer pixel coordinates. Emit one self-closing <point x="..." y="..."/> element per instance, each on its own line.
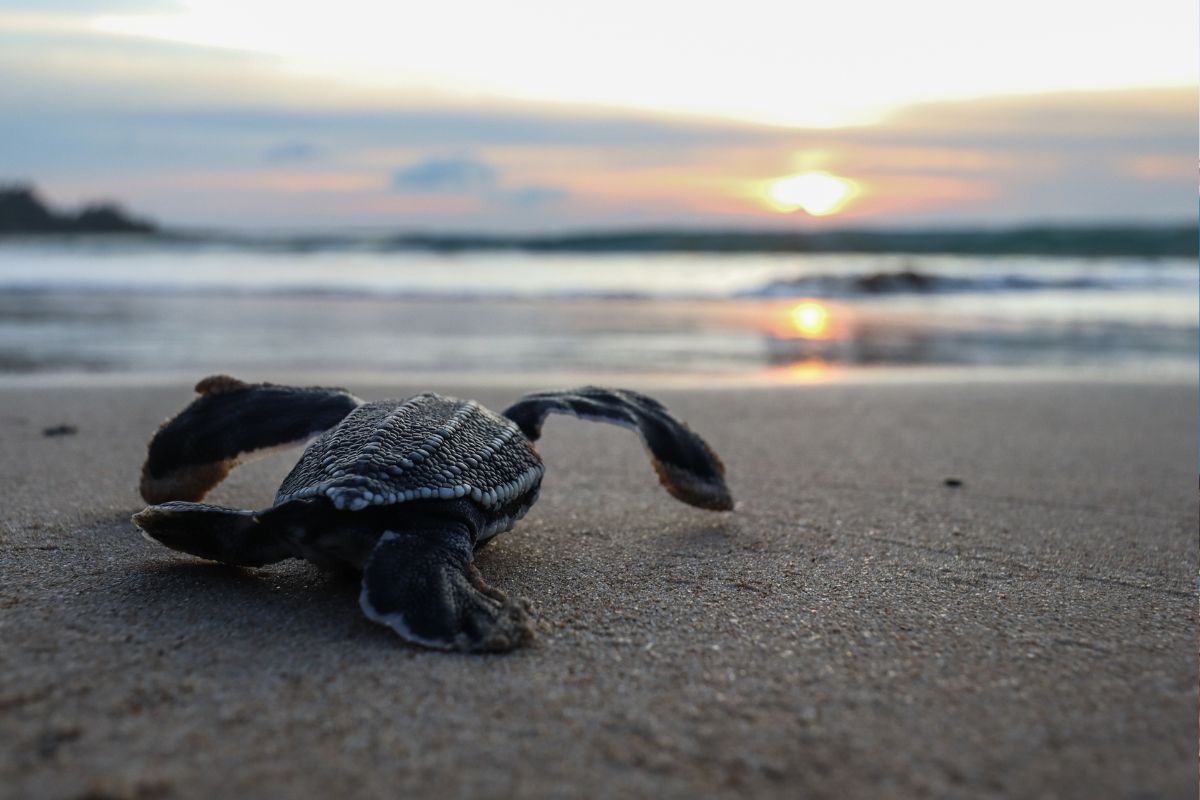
<point x="427" y="447"/>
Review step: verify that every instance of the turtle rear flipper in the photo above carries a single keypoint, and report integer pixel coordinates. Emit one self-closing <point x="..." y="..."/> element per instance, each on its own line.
<point x="687" y="467"/>
<point x="229" y="535"/>
<point x="229" y="423"/>
<point x="421" y="584"/>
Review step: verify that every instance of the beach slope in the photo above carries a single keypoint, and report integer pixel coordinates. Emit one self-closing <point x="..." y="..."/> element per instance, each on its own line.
<point x="860" y="626"/>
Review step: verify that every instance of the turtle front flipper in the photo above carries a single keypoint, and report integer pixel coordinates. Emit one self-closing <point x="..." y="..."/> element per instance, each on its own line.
<point x="687" y="467"/>
<point x="422" y="585"/>
<point x="228" y="535"/>
<point x="229" y="423"/>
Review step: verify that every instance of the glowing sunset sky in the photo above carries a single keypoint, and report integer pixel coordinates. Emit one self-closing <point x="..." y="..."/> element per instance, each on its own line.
<point x="548" y="115"/>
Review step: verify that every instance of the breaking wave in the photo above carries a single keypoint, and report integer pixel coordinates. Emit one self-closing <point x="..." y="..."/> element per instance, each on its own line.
<point x="915" y="282"/>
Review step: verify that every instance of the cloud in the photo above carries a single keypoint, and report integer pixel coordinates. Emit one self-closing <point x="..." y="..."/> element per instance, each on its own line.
<point x="561" y="53"/>
<point x="88" y="6"/>
<point x="1129" y="120"/>
<point x="474" y="178"/>
<point x="529" y="197"/>
<point x="445" y="175"/>
<point x="292" y="153"/>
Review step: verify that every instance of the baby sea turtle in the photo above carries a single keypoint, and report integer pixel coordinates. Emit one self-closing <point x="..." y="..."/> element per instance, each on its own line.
<point x="403" y="490"/>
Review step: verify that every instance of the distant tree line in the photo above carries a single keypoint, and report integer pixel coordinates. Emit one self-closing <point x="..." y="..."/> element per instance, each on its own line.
<point x="23" y="212"/>
<point x="1048" y="240"/>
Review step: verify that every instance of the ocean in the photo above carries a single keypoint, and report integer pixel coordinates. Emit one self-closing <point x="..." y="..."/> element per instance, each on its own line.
<point x="87" y="307"/>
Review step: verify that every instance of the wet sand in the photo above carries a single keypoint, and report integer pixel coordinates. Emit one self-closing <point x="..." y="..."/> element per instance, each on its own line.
<point x="858" y="627"/>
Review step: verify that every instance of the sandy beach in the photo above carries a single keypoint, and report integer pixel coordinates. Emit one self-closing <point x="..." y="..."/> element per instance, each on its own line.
<point x="856" y="628"/>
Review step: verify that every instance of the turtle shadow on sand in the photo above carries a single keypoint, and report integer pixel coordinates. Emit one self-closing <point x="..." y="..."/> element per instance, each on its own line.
<point x="704" y="540"/>
<point x="179" y="595"/>
<point x="235" y="603"/>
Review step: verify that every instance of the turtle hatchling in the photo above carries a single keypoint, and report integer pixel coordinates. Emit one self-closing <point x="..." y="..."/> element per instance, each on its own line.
<point x="403" y="490"/>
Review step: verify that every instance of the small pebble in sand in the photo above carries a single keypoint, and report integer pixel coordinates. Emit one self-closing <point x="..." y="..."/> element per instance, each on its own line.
<point x="60" y="430"/>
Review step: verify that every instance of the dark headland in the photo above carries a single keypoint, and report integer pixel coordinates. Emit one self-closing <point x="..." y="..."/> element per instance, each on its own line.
<point x="22" y="212"/>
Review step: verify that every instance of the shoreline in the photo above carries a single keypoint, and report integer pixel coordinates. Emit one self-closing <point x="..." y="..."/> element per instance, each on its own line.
<point x="800" y="374"/>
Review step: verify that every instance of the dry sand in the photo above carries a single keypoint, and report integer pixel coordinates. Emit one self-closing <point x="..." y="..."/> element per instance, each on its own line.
<point x="856" y="628"/>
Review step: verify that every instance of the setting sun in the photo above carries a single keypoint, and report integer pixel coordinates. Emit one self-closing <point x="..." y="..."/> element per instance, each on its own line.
<point x="817" y="193"/>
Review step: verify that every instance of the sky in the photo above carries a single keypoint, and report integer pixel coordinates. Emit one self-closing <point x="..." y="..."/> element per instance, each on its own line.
<point x="531" y="116"/>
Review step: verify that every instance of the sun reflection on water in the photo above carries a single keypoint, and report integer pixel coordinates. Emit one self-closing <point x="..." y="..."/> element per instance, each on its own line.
<point x="810" y="370"/>
<point x="810" y="319"/>
<point x="807" y="337"/>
